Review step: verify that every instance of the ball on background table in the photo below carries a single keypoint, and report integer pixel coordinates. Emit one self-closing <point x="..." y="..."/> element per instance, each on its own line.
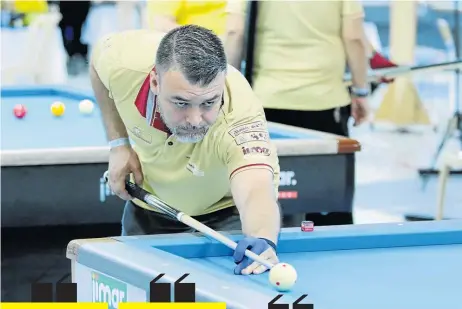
<point x="19" y="111"/>
<point x="58" y="108"/>
<point x="283" y="276"/>
<point x="86" y="107"/>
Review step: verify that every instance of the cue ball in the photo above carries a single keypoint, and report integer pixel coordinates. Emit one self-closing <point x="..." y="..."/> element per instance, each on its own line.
<point x="86" y="106"/>
<point x="283" y="276"/>
<point x="19" y="111"/>
<point x="58" y="108"/>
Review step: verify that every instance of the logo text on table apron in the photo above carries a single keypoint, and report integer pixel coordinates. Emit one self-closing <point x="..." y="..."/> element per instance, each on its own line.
<point x="108" y="290"/>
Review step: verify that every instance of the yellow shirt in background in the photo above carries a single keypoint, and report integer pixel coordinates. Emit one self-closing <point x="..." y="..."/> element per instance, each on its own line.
<point x="300" y="60"/>
<point x="193" y="178"/>
<point x="208" y="14"/>
<point x="31" y="6"/>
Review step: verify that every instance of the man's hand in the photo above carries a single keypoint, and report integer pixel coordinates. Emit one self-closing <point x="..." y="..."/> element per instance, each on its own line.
<point x="123" y="161"/>
<point x="359" y="110"/>
<point x="259" y="246"/>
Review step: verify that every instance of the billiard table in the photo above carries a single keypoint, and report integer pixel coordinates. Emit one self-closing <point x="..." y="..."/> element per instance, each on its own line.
<point x="52" y="167"/>
<point x="380" y="266"/>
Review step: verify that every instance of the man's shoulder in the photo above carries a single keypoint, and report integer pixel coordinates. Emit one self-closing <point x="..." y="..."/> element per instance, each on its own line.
<point x="133" y="50"/>
<point x="243" y="110"/>
<point x="242" y="101"/>
<point x="125" y="59"/>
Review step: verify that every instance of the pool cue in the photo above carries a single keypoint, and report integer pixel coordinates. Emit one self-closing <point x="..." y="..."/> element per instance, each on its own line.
<point x="377" y="74"/>
<point x="154" y="202"/>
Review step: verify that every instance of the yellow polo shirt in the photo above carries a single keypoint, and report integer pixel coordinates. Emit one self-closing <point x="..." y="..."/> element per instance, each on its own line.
<point x="193" y="178"/>
<point x="300" y="60"/>
<point x="208" y="14"/>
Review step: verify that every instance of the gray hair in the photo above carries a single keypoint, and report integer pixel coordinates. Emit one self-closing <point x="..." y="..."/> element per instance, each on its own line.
<point x="196" y="51"/>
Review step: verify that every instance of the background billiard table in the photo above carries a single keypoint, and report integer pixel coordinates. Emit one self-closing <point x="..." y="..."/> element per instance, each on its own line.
<point x="380" y="266"/>
<point x="52" y="166"/>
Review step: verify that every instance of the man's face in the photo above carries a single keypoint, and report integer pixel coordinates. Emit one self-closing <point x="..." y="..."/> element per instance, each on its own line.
<point x="187" y="110"/>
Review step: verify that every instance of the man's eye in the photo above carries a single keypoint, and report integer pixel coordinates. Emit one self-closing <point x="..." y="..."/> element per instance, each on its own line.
<point x="209" y="104"/>
<point x="181" y="104"/>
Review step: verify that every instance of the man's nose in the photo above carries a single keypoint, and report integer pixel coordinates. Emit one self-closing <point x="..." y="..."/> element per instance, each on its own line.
<point x="194" y="117"/>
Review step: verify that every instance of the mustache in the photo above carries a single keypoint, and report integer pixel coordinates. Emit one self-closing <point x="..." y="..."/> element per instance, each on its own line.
<point x="198" y="129"/>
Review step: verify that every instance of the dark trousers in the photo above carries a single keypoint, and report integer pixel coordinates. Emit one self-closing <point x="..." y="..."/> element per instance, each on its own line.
<point x="334" y="121"/>
<point x="139" y="221"/>
<point x="74" y="14"/>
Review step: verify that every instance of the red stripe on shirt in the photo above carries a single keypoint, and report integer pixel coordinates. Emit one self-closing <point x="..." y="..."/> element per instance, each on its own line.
<point x="141" y="103"/>
<point x="249" y="165"/>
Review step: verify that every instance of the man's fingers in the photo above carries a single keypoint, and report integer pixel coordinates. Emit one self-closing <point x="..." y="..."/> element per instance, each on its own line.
<point x="138" y="175"/>
<point x="118" y="187"/>
<point x="257" y="268"/>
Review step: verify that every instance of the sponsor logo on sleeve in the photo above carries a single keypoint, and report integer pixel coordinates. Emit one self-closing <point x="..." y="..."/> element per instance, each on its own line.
<point x="254" y="136"/>
<point x="252" y="126"/>
<point x="256" y="150"/>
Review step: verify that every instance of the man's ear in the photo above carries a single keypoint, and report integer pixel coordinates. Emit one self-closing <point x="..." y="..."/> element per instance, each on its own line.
<point x="154" y="81"/>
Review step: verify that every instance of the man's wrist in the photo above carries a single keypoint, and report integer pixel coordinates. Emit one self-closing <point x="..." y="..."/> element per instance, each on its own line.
<point x="123" y="141"/>
<point x="272" y="244"/>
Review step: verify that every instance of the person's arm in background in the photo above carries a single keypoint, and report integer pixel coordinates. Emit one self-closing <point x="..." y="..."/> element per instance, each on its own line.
<point x="356" y="50"/>
<point x="162" y="15"/>
<point x="235" y="28"/>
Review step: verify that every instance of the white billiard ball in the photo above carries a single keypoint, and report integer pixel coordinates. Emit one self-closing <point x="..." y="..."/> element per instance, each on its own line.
<point x="283" y="276"/>
<point x="86" y="106"/>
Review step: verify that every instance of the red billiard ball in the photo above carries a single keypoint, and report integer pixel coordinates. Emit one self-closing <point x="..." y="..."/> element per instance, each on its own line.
<point x="20" y="111"/>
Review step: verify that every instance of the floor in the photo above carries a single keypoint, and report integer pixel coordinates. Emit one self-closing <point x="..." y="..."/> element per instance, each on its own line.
<point x="388" y="188"/>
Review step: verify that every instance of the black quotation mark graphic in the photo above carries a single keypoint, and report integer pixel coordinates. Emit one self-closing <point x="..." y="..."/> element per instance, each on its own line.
<point x="161" y="292"/>
<point x="296" y="304"/>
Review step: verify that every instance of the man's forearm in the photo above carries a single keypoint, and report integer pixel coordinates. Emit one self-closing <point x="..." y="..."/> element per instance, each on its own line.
<point x="113" y="124"/>
<point x="357" y="58"/>
<point x="261" y="216"/>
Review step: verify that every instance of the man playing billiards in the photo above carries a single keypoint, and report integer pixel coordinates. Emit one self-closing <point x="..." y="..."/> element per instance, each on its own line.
<point x="199" y="137"/>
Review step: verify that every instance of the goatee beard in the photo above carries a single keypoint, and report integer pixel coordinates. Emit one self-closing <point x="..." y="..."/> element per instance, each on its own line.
<point x="191" y="138"/>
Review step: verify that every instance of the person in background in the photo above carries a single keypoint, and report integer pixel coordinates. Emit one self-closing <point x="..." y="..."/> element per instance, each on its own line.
<point x="224" y="18"/>
<point x="74" y="14"/>
<point x="301" y="52"/>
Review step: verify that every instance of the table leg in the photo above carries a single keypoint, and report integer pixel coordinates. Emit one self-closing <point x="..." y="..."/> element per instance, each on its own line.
<point x="443" y="178"/>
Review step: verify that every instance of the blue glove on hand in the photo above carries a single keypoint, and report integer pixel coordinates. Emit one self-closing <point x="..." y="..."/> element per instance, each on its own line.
<point x="260" y="246"/>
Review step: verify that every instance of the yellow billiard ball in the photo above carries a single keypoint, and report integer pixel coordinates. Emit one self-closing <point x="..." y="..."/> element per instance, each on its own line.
<point x="58" y="108"/>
